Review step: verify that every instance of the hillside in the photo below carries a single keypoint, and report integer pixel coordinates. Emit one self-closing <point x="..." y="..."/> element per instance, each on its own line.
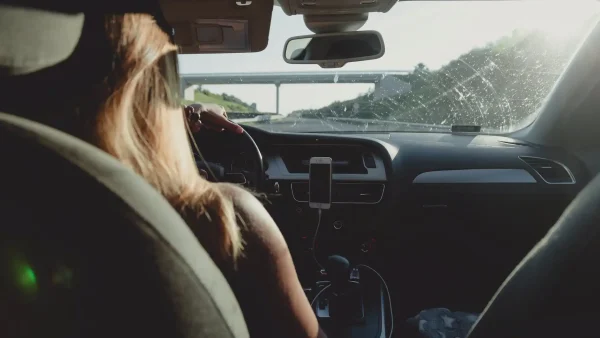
<point x="496" y="86"/>
<point x="230" y="102"/>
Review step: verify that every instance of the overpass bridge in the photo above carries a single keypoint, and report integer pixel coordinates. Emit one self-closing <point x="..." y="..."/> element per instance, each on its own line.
<point x="386" y="82"/>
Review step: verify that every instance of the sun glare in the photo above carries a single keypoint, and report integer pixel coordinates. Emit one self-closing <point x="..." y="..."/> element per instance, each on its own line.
<point x="562" y="20"/>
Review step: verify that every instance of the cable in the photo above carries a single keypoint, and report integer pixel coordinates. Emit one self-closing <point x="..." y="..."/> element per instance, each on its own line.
<point x="388" y="294"/>
<point x="318" y="294"/>
<point x="314" y="242"/>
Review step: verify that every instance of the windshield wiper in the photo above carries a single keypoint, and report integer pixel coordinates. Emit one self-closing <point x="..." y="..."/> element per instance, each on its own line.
<point x="459" y="128"/>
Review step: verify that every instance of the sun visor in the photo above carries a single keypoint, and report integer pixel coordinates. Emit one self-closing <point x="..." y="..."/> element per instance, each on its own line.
<point x="219" y="26"/>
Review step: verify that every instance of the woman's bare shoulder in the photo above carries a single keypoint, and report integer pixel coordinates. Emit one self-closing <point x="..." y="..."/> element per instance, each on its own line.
<point x="267" y="272"/>
<point x="255" y="222"/>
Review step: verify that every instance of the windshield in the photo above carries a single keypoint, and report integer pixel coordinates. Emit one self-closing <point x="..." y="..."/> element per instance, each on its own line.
<point x="489" y="64"/>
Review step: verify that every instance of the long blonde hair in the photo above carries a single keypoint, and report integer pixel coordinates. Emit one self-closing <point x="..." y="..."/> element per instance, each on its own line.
<point x="142" y="124"/>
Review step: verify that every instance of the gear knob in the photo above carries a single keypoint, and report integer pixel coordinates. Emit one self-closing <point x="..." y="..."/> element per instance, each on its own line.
<point x="338" y="270"/>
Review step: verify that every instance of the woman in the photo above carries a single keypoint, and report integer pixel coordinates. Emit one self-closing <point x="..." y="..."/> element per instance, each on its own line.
<point x="140" y="122"/>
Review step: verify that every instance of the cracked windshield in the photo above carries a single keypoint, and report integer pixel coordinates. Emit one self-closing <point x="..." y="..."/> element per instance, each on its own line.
<point x="489" y="64"/>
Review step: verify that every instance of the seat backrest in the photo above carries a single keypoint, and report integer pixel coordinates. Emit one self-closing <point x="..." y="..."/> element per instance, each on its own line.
<point x="89" y="249"/>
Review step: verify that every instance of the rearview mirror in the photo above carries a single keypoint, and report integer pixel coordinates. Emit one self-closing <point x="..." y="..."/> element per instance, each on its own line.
<point x="334" y="50"/>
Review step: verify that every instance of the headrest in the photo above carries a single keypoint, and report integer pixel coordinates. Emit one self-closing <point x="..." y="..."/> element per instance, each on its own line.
<point x="33" y="39"/>
<point x="38" y="34"/>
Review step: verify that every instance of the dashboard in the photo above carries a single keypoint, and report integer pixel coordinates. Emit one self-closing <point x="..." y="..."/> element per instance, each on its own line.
<point x="410" y="201"/>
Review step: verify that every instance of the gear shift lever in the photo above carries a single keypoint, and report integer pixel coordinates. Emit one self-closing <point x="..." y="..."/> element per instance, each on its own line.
<point x="345" y="300"/>
<point x="338" y="270"/>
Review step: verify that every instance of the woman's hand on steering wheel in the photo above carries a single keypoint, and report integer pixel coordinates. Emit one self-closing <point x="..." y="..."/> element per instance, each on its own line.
<point x="214" y="117"/>
<point x="210" y="116"/>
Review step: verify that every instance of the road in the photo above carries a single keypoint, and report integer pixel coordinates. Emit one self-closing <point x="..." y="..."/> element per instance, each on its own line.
<point x="295" y="124"/>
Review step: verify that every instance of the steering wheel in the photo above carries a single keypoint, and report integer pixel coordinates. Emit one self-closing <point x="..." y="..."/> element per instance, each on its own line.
<point x="554" y="291"/>
<point x="219" y="151"/>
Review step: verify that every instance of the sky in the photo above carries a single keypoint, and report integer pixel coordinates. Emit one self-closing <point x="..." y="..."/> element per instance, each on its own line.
<point x="432" y="33"/>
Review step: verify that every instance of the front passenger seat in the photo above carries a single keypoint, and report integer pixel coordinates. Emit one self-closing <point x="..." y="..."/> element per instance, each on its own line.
<point x="87" y="247"/>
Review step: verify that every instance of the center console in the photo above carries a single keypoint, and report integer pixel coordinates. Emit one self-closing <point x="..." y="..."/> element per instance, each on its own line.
<point x="347" y="298"/>
<point x="350" y="301"/>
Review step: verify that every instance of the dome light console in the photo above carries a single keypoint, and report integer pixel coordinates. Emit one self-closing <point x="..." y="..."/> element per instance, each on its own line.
<point x="334" y="7"/>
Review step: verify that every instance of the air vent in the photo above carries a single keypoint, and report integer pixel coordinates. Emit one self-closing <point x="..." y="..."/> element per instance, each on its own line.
<point x="550" y="171"/>
<point x="357" y="193"/>
<point x="346" y="159"/>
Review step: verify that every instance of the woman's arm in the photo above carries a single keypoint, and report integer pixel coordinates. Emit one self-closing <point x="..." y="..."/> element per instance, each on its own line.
<point x="265" y="282"/>
<point x="211" y="116"/>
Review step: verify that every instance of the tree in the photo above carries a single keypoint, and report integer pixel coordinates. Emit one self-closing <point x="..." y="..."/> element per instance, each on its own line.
<point x="495" y="86"/>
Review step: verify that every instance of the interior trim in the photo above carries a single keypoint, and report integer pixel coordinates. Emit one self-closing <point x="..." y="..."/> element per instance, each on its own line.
<point x="383" y="327"/>
<point x="475" y="176"/>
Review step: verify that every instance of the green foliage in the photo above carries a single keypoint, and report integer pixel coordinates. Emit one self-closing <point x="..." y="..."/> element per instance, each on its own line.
<point x="497" y="86"/>
<point x="230" y="102"/>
